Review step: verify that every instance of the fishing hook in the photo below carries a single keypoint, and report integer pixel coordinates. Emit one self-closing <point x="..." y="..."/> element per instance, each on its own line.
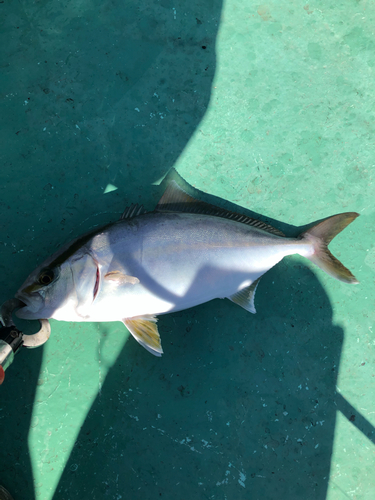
<point x="11" y="338"/>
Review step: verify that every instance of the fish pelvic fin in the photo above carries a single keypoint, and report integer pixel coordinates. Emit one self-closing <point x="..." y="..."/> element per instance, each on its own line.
<point x="145" y="331"/>
<point x="320" y="236"/>
<point x="245" y="297"/>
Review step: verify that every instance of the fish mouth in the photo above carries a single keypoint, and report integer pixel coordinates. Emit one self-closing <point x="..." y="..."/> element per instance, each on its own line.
<point x="34" y="340"/>
<point x="28" y="307"/>
<point x="25" y="313"/>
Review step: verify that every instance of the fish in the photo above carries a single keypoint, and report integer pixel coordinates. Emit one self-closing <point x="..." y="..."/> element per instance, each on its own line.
<point x="183" y="253"/>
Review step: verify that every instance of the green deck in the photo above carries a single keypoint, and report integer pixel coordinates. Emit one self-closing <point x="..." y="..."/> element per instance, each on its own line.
<point x="269" y="107"/>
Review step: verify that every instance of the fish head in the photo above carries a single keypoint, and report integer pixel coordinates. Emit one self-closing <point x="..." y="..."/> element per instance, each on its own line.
<point x="44" y="291"/>
<point x="62" y="291"/>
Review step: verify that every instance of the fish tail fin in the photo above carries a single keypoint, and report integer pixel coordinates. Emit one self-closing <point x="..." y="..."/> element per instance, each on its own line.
<point x="320" y="236"/>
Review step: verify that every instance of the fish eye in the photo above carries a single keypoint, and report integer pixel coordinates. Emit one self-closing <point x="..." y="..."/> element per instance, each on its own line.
<point x="46" y="277"/>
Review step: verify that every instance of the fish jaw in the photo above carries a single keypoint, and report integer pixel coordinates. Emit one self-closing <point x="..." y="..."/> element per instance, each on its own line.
<point x="25" y="313"/>
<point x="36" y="308"/>
<point x="33" y="306"/>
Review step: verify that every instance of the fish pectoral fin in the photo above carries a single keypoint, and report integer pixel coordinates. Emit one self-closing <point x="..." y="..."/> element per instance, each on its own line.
<point x="121" y="278"/>
<point x="245" y="297"/>
<point x="145" y="331"/>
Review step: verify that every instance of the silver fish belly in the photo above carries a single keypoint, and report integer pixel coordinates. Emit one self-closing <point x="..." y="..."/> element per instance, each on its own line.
<point x="183" y="254"/>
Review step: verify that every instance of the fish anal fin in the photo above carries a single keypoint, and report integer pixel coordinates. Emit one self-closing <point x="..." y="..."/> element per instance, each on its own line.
<point x="145" y="331"/>
<point x="121" y="278"/>
<point x="176" y="199"/>
<point x="245" y="297"/>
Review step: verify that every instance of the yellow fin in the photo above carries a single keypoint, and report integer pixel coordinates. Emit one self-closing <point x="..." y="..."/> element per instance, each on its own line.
<point x="320" y="236"/>
<point x="121" y="278"/>
<point x="245" y="297"/>
<point x="145" y="331"/>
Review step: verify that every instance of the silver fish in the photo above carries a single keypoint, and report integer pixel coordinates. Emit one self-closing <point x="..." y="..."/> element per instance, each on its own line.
<point x="184" y="253"/>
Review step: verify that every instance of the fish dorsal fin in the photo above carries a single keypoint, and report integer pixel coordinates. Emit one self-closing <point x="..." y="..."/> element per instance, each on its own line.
<point x="245" y="297"/>
<point x="144" y="330"/>
<point x="132" y="211"/>
<point x="175" y="199"/>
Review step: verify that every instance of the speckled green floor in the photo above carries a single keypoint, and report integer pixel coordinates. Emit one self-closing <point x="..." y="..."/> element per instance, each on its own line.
<point x="269" y="107"/>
